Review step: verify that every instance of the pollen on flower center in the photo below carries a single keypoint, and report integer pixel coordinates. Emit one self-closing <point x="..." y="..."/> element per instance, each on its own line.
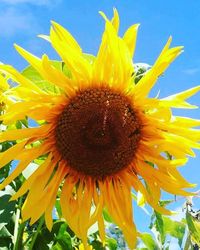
<point x="98" y="132"/>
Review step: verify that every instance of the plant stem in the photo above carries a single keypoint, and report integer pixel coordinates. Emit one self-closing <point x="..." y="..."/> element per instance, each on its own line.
<point x="187" y="242"/>
<point x="41" y="222"/>
<point x="19" y="228"/>
<point x="17" y="217"/>
<point x="18" y="243"/>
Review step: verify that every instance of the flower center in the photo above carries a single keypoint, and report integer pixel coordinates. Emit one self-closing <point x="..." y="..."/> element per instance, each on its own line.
<point x="98" y="132"/>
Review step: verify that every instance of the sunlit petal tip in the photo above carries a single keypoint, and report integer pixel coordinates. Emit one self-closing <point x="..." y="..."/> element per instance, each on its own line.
<point x="54" y="23"/>
<point x="45" y="37"/>
<point x="115" y="11"/>
<point x="181" y="49"/>
<point x="17" y="47"/>
<point x="115" y="20"/>
<point x="104" y="16"/>
<point x="169" y="41"/>
<point x="45" y="57"/>
<point x="193" y="185"/>
<point x="115" y="15"/>
<point x="137" y="25"/>
<point x="20" y="50"/>
<point x="56" y="26"/>
<point x="53" y="27"/>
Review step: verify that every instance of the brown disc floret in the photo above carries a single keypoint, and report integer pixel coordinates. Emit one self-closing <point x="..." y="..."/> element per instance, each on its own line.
<point x="98" y="132"/>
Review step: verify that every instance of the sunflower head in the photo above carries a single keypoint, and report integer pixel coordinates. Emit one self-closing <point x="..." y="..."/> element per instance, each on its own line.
<point x="4" y="86"/>
<point x="101" y="125"/>
<point x="99" y="134"/>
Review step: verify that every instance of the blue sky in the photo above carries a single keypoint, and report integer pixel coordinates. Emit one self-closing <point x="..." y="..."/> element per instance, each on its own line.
<point x="22" y="20"/>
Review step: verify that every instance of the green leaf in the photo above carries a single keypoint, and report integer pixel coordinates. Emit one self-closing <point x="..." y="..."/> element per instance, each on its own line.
<point x="57" y="246"/>
<point x="41" y="243"/>
<point x="63" y="237"/>
<point x="106" y="216"/>
<point x="21" y="123"/>
<point x="194" y="228"/>
<point x="188" y="243"/>
<point x="4" y="172"/>
<point x="149" y="241"/>
<point x="97" y="245"/>
<point x="6" y="208"/>
<point x="4" y="233"/>
<point x="160" y="226"/>
<point x="58" y="237"/>
<point x="5" y="146"/>
<point x="36" y="78"/>
<point x="111" y="243"/>
<point x="174" y="228"/>
<point x="140" y="70"/>
<point x="6" y="244"/>
<point x="163" y="203"/>
<point x="64" y="69"/>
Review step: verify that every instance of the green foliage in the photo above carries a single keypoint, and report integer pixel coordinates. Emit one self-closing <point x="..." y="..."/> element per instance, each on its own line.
<point x="149" y="241"/>
<point x="106" y="216"/>
<point x="7" y="210"/>
<point x="175" y="229"/>
<point x="194" y="228"/>
<point x="58" y="239"/>
<point x="33" y="75"/>
<point x="111" y="243"/>
<point x="140" y="70"/>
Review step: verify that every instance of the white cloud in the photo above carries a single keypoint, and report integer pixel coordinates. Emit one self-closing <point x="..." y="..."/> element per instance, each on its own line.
<point x="34" y="2"/>
<point x="13" y="21"/>
<point x="191" y="71"/>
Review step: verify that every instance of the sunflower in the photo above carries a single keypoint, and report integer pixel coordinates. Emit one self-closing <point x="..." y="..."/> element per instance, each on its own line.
<point x="4" y="87"/>
<point x="100" y="136"/>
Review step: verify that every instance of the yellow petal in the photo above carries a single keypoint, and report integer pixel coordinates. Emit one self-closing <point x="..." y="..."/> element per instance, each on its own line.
<point x="11" y="135"/>
<point x="152" y="199"/>
<point x="117" y="193"/>
<point x="56" y="77"/>
<point x="112" y="49"/>
<point x="45" y="37"/>
<point x="43" y="171"/>
<point x="11" y="153"/>
<point x="52" y="200"/>
<point x="46" y="199"/>
<point x="45" y="68"/>
<point x="74" y="59"/>
<point x="66" y="37"/>
<point x="182" y="96"/>
<point x="19" y="78"/>
<point x="166" y="57"/>
<point x="28" y="156"/>
<point x="3" y="84"/>
<point x="18" y="111"/>
<point x="130" y="37"/>
<point x="115" y="20"/>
